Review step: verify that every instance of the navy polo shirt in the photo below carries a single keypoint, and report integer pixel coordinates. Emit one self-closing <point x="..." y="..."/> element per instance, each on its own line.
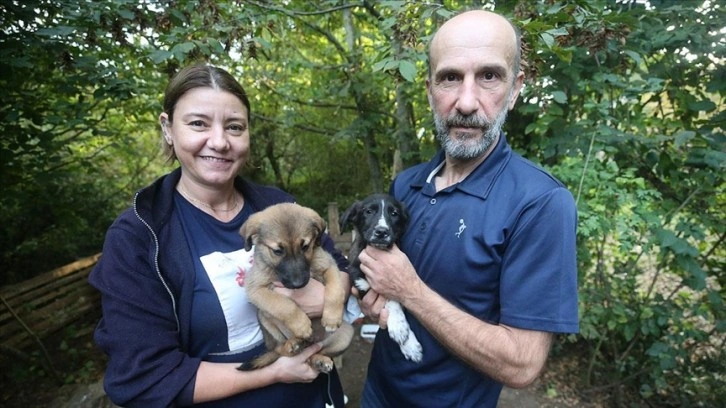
<point x="499" y="245"/>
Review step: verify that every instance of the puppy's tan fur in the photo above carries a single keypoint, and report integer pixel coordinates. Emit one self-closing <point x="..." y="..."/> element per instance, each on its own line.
<point x="286" y="239"/>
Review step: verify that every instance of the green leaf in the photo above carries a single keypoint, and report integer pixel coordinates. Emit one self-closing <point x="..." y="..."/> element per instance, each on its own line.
<point x="407" y="70"/>
<point x="180" y="50"/>
<point x="634" y="56"/>
<point x="177" y="17"/>
<point x="704" y="105"/>
<point x="683" y="137"/>
<point x="696" y="278"/>
<point x="58" y="31"/>
<point x="559" y="97"/>
<point x="159" y="56"/>
<point x="548" y="39"/>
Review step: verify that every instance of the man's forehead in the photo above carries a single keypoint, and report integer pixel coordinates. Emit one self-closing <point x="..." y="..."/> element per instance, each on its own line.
<point x="472" y="31"/>
<point x="455" y="55"/>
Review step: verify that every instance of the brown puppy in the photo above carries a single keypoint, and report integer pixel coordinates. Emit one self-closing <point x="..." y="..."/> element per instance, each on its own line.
<point x="286" y="239"/>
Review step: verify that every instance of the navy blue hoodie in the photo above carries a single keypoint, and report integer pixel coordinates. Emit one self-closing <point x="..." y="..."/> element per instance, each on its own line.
<point x="146" y="296"/>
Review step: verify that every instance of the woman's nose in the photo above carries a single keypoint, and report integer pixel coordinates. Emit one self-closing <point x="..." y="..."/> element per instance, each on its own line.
<point x="218" y="138"/>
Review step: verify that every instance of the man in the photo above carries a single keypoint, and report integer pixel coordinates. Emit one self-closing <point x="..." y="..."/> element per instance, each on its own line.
<point x="487" y="268"/>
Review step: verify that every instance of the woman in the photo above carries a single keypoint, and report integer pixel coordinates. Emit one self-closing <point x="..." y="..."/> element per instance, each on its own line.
<point x="176" y="322"/>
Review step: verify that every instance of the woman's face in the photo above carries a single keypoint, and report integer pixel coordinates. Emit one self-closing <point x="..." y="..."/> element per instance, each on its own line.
<point x="209" y="135"/>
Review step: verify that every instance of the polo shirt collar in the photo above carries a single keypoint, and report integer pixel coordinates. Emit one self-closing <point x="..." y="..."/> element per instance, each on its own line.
<point x="479" y="183"/>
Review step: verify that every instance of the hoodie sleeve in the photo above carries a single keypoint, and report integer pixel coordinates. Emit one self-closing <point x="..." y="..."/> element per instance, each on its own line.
<point x="138" y="330"/>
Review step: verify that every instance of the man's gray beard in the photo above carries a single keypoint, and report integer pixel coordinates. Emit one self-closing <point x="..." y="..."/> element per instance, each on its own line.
<point x="464" y="149"/>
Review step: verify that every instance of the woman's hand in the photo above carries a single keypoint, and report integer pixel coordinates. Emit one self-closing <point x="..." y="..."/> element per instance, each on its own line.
<point x="310" y="298"/>
<point x="296" y="369"/>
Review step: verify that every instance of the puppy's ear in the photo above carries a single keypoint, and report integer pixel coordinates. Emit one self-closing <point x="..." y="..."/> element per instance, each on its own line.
<point x="319" y="228"/>
<point x="349" y="215"/>
<point x="249" y="231"/>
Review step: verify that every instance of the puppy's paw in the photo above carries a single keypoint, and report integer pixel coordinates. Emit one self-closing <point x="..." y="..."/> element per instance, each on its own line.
<point x="331" y="321"/>
<point x="398" y="328"/>
<point x="321" y="363"/>
<point x="292" y="347"/>
<point x="302" y="327"/>
<point x="412" y="349"/>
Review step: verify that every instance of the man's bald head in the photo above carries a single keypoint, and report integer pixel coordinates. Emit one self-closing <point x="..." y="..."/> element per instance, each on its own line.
<point x="477" y="26"/>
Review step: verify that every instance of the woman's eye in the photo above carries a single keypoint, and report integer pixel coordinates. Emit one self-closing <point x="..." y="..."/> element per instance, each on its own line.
<point x="196" y="123"/>
<point x="237" y="128"/>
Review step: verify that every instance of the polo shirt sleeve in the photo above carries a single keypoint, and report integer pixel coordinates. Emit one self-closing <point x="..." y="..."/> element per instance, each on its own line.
<point x="538" y="288"/>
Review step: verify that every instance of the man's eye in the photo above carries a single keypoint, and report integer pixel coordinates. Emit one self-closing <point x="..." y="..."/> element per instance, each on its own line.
<point x="490" y="76"/>
<point x="450" y="77"/>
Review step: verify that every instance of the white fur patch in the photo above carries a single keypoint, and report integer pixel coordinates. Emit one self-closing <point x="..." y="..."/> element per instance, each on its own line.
<point x="382" y="220"/>
<point x="362" y="284"/>
<point x="400" y="332"/>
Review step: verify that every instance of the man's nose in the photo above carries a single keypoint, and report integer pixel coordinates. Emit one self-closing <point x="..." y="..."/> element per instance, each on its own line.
<point x="467" y="102"/>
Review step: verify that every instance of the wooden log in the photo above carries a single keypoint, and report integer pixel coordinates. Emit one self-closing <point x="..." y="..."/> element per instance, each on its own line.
<point x="333" y="220"/>
<point x="47" y="303"/>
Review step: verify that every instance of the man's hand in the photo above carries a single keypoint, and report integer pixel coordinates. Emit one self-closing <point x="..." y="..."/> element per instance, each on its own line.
<point x="390" y="273"/>
<point x="373" y="305"/>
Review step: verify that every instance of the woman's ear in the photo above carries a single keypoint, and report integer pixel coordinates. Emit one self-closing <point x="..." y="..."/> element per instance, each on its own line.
<point x="164" y="121"/>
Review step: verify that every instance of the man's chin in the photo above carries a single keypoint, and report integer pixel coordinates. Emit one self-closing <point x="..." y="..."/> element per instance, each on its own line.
<point x="465" y="134"/>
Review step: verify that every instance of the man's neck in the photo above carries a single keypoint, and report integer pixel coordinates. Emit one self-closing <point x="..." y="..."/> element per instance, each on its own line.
<point x="456" y="170"/>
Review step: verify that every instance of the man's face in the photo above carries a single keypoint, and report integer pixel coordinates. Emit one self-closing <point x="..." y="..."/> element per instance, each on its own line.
<point x="468" y="145"/>
<point x="472" y="85"/>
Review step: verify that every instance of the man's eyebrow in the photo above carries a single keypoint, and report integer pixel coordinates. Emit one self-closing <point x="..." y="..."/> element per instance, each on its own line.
<point x="496" y="68"/>
<point x="447" y="71"/>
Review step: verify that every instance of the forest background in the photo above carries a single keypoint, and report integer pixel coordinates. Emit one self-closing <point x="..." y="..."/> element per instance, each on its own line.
<point x="624" y="102"/>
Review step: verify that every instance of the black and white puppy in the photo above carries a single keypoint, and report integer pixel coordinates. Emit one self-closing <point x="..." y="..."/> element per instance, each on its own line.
<point x="379" y="220"/>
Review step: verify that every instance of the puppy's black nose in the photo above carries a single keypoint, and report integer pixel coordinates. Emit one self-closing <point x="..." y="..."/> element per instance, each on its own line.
<point x="381" y="233"/>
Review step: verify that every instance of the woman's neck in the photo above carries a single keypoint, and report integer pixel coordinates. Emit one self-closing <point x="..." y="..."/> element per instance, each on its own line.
<point x="220" y="204"/>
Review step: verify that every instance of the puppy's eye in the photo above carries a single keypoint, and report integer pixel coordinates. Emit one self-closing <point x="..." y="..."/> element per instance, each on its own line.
<point x="394" y="213"/>
<point x="278" y="251"/>
<point x="305" y="247"/>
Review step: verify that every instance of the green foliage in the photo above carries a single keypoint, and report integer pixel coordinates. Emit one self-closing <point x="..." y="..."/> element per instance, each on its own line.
<point x="623" y="107"/>
<point x="623" y="102"/>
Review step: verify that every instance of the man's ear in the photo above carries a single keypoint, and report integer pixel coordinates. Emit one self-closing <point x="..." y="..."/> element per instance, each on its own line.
<point x="517" y="88"/>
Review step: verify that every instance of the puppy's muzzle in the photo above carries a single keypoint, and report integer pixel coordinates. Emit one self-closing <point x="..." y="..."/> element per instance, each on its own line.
<point x="294" y="273"/>
<point x="381" y="238"/>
